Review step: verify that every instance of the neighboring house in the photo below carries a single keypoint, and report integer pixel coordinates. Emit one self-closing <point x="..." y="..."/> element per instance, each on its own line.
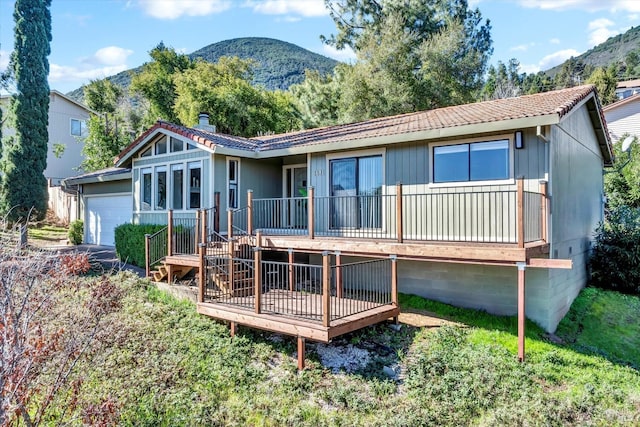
<point x="627" y="88"/>
<point x="623" y="117"/>
<point x="466" y="198"/>
<point x="67" y="128"/>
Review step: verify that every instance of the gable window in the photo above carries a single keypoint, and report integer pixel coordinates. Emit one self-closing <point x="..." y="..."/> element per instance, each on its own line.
<point x="232" y="183"/>
<point x="146" y="153"/>
<point x="177" y="186"/>
<point x="176" y="145"/>
<point x="78" y="127"/>
<point x="477" y="161"/>
<point x="161" y="187"/>
<point x="146" y="190"/>
<point x="195" y="184"/>
<point x="356" y="190"/>
<point x="161" y="146"/>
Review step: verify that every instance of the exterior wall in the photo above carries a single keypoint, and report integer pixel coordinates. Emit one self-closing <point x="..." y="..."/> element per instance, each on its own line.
<point x="109" y="187"/>
<point x="182" y="157"/>
<point x="576" y="193"/>
<point x="624" y="119"/>
<point x="61" y="111"/>
<point x="64" y="205"/>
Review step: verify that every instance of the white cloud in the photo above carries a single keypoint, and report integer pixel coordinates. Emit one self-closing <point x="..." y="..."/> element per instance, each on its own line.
<point x="173" y="9"/>
<point x="554" y="41"/>
<point x="556" y="58"/>
<point x="4" y="59"/>
<point x="305" y="8"/>
<point x="522" y="47"/>
<point x="599" y="31"/>
<point x="109" y="56"/>
<point x="529" y="68"/>
<point x="345" y="55"/>
<point x="64" y="73"/>
<point x="588" y="5"/>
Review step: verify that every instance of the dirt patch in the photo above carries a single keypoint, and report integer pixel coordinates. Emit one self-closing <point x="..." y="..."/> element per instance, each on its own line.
<point x="424" y="319"/>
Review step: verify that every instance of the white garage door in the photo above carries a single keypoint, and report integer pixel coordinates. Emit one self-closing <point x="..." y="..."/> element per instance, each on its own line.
<point x="102" y="215"/>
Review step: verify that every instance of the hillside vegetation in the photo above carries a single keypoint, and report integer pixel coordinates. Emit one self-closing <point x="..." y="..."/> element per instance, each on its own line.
<point x="278" y="64"/>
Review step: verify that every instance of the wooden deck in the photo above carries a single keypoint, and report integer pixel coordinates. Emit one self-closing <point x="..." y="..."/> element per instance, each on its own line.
<point x="298" y="313"/>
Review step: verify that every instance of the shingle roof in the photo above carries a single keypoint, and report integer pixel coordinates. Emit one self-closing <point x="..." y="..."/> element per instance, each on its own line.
<point x="559" y="103"/>
<point x="97" y="175"/>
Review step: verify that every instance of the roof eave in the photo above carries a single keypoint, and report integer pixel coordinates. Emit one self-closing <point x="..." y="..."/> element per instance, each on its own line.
<point x="434" y="134"/>
<point x="97" y="178"/>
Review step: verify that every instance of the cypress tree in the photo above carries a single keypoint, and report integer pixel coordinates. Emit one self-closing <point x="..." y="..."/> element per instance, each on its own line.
<point x="24" y="155"/>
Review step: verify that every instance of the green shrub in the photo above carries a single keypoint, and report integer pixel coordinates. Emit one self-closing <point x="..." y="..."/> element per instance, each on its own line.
<point x="130" y="241"/>
<point x="76" y="232"/>
<point x="615" y="260"/>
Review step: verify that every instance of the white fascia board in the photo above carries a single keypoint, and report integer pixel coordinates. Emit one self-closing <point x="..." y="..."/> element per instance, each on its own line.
<point x="98" y="178"/>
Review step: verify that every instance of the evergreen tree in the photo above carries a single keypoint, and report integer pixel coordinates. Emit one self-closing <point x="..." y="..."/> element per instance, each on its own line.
<point x="24" y="155"/>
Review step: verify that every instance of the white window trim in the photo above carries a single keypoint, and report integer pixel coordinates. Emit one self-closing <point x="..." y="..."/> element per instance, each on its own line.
<point x="83" y="127"/>
<point x="284" y="175"/>
<point x="175" y="167"/>
<point x="143" y="171"/>
<point x="509" y="181"/>
<point x="194" y="164"/>
<point x="237" y="181"/>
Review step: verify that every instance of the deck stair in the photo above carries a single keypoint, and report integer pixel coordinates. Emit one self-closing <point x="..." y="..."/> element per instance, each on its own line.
<point x="241" y="285"/>
<point x="162" y="272"/>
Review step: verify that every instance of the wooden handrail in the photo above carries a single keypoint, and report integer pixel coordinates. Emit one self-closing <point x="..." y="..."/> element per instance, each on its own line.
<point x="399" y="218"/>
<point x="170" y="232"/>
<point x="310" y="212"/>
<point x="326" y="290"/>
<point x="520" y="211"/>
<point x="250" y="212"/>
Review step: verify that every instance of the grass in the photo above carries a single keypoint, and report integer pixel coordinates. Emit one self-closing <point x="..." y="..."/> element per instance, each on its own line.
<point x="160" y="363"/>
<point x="48" y="233"/>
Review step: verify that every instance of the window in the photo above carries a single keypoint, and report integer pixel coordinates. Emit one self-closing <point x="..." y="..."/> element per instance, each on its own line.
<point x="161" y="187"/>
<point x="146" y="190"/>
<point x="146" y="153"/>
<point x="356" y="189"/>
<point x="232" y="183"/>
<point x="161" y="146"/>
<point x="176" y="145"/>
<point x="478" y="161"/>
<point x="177" y="186"/>
<point x="78" y="127"/>
<point x="195" y="182"/>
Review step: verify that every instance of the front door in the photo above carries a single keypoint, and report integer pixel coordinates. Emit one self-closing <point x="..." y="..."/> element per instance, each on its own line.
<point x="295" y="209"/>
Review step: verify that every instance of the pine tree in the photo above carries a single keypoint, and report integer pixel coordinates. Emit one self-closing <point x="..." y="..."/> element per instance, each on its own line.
<point x="24" y="156"/>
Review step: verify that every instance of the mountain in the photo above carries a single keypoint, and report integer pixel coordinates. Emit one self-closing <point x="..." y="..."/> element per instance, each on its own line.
<point x="613" y="50"/>
<point x="278" y="64"/>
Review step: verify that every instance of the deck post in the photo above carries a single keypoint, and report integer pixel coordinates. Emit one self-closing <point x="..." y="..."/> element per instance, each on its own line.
<point x="204" y="228"/>
<point x="233" y="327"/>
<point x="250" y="212"/>
<point x="338" y="274"/>
<point x="197" y="232"/>
<point x="301" y="350"/>
<point x="201" y="273"/>
<point x="394" y="279"/>
<point x="216" y="212"/>
<point x="310" y="212"/>
<point x="543" y="210"/>
<point x="147" y="254"/>
<point x="229" y="224"/>
<point x="399" y="230"/>
<point x="521" y="309"/>
<point x="170" y="232"/>
<point x="520" y="211"/>
<point x="257" y="274"/>
<point x="326" y="290"/>
<point x="292" y="284"/>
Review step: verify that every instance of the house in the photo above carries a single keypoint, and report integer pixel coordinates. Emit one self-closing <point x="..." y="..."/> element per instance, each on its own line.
<point x="457" y="204"/>
<point x="623" y="117"/>
<point x="66" y="128"/>
<point x="627" y="88"/>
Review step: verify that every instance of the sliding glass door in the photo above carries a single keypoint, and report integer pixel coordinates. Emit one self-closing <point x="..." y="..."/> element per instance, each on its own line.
<point x="356" y="190"/>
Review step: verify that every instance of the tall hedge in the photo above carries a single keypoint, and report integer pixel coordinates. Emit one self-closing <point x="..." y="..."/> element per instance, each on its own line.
<point x="130" y="241"/>
<point x="24" y="155"/>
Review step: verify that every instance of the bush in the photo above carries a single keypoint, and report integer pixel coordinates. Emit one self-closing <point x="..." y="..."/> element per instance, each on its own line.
<point x="615" y="260"/>
<point x="130" y="241"/>
<point x="76" y="232"/>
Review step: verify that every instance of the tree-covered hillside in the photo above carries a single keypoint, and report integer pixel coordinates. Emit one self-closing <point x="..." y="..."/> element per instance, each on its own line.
<point x="278" y="64"/>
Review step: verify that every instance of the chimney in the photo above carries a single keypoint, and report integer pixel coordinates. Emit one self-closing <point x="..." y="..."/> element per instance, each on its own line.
<point x="203" y="122"/>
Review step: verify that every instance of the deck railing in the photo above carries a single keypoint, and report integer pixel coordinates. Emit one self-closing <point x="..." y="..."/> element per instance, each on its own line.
<point x="155" y="248"/>
<point x="318" y="293"/>
<point x="497" y="216"/>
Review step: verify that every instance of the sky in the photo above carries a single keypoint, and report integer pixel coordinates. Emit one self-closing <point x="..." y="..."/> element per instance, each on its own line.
<point x="93" y="39"/>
